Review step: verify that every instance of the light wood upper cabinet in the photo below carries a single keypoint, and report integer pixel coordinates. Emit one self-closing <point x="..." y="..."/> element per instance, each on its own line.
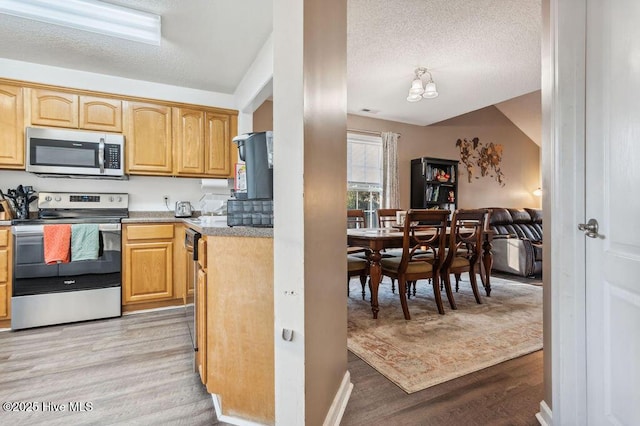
<point x="60" y="109"/>
<point x="147" y="263"/>
<point x="100" y="114"/>
<point x="5" y="273"/>
<point x="49" y="108"/>
<point x="11" y="127"/>
<point x="147" y="130"/>
<point x="218" y="145"/>
<point x="189" y="141"/>
<point x="202" y="143"/>
<point x="161" y="138"/>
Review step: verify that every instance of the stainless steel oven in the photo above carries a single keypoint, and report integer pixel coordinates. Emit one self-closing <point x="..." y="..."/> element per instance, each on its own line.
<point x="191" y="245"/>
<point x="46" y="294"/>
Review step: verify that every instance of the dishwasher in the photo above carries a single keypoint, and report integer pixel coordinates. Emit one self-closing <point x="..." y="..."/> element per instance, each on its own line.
<point x="191" y="245"/>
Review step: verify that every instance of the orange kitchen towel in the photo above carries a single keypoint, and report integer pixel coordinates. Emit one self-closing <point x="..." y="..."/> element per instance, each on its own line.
<point x="57" y="241"/>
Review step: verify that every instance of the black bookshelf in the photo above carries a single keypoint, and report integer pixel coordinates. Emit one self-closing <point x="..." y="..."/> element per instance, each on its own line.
<point x="434" y="183"/>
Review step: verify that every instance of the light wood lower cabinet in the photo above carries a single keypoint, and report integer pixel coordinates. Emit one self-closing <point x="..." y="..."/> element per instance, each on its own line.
<point x="201" y="324"/>
<point x="5" y="273"/>
<point x="240" y="344"/>
<point x="201" y="309"/>
<point x="147" y="264"/>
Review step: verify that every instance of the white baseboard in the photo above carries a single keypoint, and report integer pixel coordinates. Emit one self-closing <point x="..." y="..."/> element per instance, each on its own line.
<point x="544" y="416"/>
<point x="339" y="404"/>
<point x="230" y="419"/>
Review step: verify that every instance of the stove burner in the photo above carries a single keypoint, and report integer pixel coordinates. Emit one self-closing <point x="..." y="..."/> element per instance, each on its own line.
<point x="71" y="207"/>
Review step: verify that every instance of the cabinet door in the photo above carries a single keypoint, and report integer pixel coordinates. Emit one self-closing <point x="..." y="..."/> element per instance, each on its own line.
<point x="218" y="145"/>
<point x="100" y="114"/>
<point x="5" y="274"/>
<point x="11" y="127"/>
<point x="148" y="271"/>
<point x="201" y="323"/>
<point x="147" y="129"/>
<point x="49" y="108"/>
<point x="189" y="141"/>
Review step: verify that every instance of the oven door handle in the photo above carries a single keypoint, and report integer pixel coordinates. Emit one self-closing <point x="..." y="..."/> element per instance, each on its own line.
<point x="101" y="155"/>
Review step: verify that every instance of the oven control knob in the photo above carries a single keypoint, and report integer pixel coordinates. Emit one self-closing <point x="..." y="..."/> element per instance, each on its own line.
<point x="58" y="199"/>
<point x="119" y="199"/>
<point x="111" y="198"/>
<point x="47" y="198"/>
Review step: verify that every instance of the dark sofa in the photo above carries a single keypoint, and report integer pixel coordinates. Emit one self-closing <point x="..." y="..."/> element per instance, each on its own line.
<point x="517" y="242"/>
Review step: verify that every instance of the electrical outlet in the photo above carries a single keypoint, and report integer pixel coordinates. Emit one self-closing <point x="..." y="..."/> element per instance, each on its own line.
<point x="166" y="199"/>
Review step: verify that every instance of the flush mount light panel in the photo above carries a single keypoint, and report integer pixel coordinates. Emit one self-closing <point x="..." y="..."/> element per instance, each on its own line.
<point x="89" y="15"/>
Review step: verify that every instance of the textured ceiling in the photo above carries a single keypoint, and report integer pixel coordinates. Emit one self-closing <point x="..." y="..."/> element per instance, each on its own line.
<point x="206" y="44"/>
<point x="480" y="52"/>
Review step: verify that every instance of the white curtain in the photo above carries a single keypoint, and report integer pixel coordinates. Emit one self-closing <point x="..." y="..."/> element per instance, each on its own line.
<point x="390" y="192"/>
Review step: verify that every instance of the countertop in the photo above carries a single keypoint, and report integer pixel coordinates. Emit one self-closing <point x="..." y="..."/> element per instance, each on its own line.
<point x="218" y="227"/>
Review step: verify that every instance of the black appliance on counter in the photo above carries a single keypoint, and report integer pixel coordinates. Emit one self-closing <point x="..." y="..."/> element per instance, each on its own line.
<point x="46" y="294"/>
<point x="21" y="197"/>
<point x="255" y="208"/>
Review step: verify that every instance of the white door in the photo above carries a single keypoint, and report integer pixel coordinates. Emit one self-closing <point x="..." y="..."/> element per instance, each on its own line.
<point x="613" y="199"/>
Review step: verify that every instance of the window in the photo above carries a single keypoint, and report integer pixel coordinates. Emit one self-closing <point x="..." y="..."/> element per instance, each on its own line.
<point x="364" y="175"/>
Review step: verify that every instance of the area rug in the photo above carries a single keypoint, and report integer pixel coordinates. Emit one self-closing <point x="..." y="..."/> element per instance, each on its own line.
<point x="430" y="348"/>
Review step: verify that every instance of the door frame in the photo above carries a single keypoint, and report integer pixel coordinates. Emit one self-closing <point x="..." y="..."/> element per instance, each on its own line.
<point x="563" y="171"/>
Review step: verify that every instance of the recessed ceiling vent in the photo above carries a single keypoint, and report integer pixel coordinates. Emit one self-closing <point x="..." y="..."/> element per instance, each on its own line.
<point x="369" y="111"/>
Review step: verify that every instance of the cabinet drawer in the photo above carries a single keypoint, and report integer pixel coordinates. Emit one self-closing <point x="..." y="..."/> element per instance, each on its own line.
<point x="4" y="237"/>
<point x="149" y="232"/>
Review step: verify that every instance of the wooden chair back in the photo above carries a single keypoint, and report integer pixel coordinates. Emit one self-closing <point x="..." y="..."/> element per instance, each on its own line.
<point x="356" y="219"/>
<point x="424" y="231"/>
<point x="465" y="248"/>
<point x="467" y="235"/>
<point x="386" y="217"/>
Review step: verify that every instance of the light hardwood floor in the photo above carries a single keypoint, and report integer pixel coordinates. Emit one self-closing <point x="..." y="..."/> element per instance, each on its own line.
<point x="133" y="370"/>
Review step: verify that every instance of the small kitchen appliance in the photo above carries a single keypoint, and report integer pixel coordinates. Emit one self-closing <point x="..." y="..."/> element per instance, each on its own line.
<point x="183" y="209"/>
<point x="255" y="207"/>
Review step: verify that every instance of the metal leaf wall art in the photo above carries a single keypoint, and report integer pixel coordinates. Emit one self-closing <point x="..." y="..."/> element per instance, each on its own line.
<point x="486" y="157"/>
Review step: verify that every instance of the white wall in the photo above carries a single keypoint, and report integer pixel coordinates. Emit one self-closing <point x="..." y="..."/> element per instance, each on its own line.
<point x="145" y="192"/>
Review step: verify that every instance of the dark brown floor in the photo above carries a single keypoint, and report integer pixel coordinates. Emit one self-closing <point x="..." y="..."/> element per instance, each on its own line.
<point x="506" y="394"/>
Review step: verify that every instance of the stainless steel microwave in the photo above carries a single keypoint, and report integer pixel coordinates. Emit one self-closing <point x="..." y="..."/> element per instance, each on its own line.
<point x="75" y="153"/>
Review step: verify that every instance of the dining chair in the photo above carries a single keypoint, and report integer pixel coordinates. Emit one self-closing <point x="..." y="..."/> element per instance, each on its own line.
<point x="411" y="267"/>
<point x="356" y="218"/>
<point x="357" y="267"/>
<point x="386" y="217"/>
<point x="464" y="252"/>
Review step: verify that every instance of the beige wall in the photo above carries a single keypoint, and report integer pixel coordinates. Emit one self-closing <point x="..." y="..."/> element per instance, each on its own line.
<point x="520" y="161"/>
<point x="310" y="171"/>
<point x="263" y="117"/>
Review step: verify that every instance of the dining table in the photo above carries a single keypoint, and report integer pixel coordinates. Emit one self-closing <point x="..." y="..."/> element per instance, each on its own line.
<point x="375" y="240"/>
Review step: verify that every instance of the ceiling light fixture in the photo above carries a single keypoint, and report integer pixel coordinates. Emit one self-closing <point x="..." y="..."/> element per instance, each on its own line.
<point x="89" y="15"/>
<point x="417" y="92"/>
